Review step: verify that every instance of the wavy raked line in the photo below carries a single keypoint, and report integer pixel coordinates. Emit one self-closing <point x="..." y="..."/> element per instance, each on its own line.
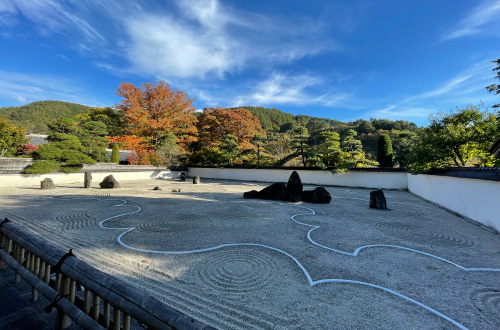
<point x="312" y="283"/>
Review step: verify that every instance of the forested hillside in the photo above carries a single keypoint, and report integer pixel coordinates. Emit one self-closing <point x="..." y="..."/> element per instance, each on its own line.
<point x="35" y="116"/>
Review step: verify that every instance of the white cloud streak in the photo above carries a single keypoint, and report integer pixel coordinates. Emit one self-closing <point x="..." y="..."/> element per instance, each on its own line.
<point x="486" y="12"/>
<point x="297" y="90"/>
<point x="465" y="88"/>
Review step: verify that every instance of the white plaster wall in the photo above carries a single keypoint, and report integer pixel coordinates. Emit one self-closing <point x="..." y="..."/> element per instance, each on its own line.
<point x="381" y="180"/>
<point x="475" y="199"/>
<point x="11" y="180"/>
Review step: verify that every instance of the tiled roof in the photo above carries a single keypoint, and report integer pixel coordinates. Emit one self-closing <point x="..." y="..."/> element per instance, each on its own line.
<point x="37" y="139"/>
<point x="481" y="173"/>
<point x="123" y="155"/>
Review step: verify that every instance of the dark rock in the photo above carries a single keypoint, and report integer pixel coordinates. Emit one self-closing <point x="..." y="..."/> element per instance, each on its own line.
<point x="196" y="180"/>
<point x="183" y="176"/>
<point x="377" y="200"/>
<point x="156" y="188"/>
<point x="109" y="182"/>
<point x="318" y="196"/>
<point x="294" y="188"/>
<point x="87" y="181"/>
<point x="251" y="194"/>
<point x="275" y="192"/>
<point x="47" y="184"/>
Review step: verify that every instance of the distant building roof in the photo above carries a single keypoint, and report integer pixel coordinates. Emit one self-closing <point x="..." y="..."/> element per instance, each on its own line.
<point x="123" y="155"/>
<point x="37" y="139"/>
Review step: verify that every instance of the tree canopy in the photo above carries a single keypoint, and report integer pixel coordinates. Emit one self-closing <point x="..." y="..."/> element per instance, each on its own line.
<point x="11" y="137"/>
<point x="155" y="110"/>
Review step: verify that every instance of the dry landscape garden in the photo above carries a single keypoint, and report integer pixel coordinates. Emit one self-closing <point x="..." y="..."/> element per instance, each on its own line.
<point x="202" y="252"/>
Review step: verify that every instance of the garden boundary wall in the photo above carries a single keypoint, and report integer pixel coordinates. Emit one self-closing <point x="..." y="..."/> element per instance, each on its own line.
<point x="12" y="180"/>
<point x="379" y="180"/>
<point x="478" y="200"/>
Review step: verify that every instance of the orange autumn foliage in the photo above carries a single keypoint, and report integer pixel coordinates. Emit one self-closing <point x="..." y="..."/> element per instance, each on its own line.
<point x="135" y="143"/>
<point x="154" y="110"/>
<point x="217" y="122"/>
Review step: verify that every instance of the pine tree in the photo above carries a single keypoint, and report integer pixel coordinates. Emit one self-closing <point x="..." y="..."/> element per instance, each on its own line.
<point x="115" y="154"/>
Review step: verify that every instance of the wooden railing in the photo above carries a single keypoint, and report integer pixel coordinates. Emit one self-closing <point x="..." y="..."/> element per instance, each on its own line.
<point x="107" y="302"/>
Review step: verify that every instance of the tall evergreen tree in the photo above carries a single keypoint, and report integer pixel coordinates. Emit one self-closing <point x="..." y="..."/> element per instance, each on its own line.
<point x="329" y="148"/>
<point x="384" y="151"/>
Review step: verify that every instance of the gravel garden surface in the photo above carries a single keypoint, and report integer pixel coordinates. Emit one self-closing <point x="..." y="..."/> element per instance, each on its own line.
<point x="252" y="264"/>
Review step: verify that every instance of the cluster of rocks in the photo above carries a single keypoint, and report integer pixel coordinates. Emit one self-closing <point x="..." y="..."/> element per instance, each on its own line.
<point x="291" y="192"/>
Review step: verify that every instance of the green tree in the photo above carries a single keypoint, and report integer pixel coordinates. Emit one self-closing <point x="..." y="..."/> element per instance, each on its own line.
<point x="112" y="118"/>
<point x="351" y="146"/>
<point x="384" y="151"/>
<point x="11" y="137"/>
<point x="495" y="88"/>
<point x="301" y="138"/>
<point x="168" y="151"/>
<point x="115" y="154"/>
<point x="92" y="135"/>
<point x="459" y="138"/>
<point x="329" y="148"/>
<point x="229" y="148"/>
<point x="258" y="141"/>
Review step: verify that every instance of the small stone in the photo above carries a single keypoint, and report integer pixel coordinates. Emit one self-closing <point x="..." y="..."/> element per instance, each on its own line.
<point x="156" y="188"/>
<point x="47" y="183"/>
<point x="377" y="200"/>
<point x="87" y="181"/>
<point x="196" y="180"/>
<point x="109" y="182"/>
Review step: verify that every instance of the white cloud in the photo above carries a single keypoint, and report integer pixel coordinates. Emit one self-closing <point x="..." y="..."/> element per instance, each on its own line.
<point x="25" y="88"/>
<point x="297" y="90"/>
<point x="486" y="12"/>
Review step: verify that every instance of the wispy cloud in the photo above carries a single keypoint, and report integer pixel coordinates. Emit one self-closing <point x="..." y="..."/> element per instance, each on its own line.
<point x="287" y="89"/>
<point x="465" y="88"/>
<point x="486" y="12"/>
<point x="190" y="39"/>
<point x="25" y="88"/>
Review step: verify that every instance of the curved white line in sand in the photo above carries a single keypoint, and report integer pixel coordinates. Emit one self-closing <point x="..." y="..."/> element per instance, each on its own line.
<point x="358" y="250"/>
<point x="304" y="270"/>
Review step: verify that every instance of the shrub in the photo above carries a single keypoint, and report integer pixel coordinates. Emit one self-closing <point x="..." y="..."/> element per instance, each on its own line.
<point x="43" y="166"/>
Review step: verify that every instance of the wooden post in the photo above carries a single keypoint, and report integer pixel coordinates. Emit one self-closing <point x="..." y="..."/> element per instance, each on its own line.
<point x="17" y="256"/>
<point x="36" y="270"/>
<point x="96" y="301"/>
<point x="126" y="321"/>
<point x="86" y="301"/>
<point x="116" y="318"/>
<point x="62" y="320"/>
<point x="57" y="286"/>
<point x="106" y="315"/>
<point x="72" y="289"/>
<point x="46" y="275"/>
<point x="3" y="240"/>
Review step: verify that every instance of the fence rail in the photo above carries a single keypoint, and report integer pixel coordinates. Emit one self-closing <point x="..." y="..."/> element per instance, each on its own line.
<point x="108" y="303"/>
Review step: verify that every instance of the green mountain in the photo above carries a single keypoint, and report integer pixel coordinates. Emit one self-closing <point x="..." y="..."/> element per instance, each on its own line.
<point x="35" y="116"/>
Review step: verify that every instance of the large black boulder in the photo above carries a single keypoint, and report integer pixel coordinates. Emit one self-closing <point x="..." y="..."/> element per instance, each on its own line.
<point x="377" y="200"/>
<point x="275" y="192"/>
<point x="294" y="188"/>
<point x="318" y="196"/>
<point x="109" y="182"/>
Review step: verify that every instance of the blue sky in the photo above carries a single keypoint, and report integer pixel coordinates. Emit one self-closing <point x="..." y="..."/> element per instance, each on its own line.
<point x="336" y="59"/>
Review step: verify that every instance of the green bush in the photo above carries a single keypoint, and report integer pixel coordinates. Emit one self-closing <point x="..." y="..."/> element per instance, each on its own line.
<point x="384" y="151"/>
<point x="43" y="166"/>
